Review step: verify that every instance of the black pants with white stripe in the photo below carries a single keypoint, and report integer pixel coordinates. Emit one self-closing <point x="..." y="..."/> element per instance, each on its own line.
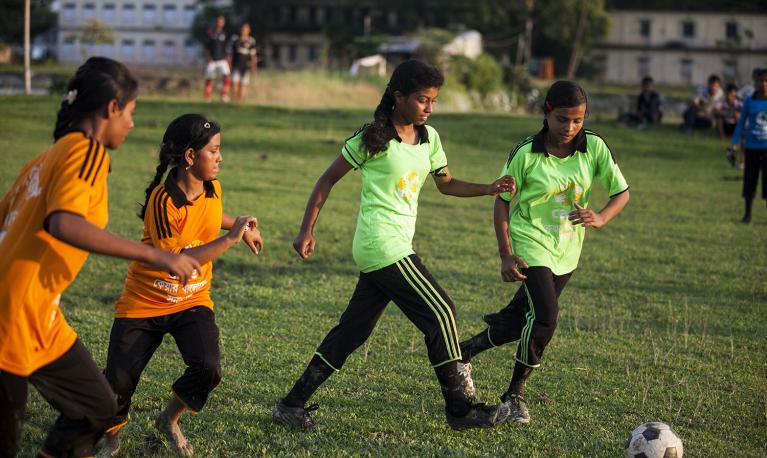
<point x="530" y="317"/>
<point x="408" y="284"/>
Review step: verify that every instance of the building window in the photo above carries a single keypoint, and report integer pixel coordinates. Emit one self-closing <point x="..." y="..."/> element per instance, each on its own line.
<point x="169" y="50"/>
<point x="149" y="13"/>
<point x="191" y="50"/>
<point x="68" y="12"/>
<point x="644" y="28"/>
<point x="643" y="66"/>
<point x="312" y="52"/>
<point x="89" y="11"/>
<point x="276" y="53"/>
<point x="68" y="49"/>
<point x="169" y="14"/>
<point x="108" y="12"/>
<point x="190" y="11"/>
<point x="688" y="29"/>
<point x="731" y="31"/>
<point x="129" y="13"/>
<point x="148" y="49"/>
<point x="392" y="20"/>
<point x="685" y="70"/>
<point x="128" y="49"/>
<point x="292" y="53"/>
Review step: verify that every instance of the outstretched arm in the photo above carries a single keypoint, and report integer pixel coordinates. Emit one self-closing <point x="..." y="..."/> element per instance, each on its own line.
<point x="80" y="233"/>
<point x="304" y="242"/>
<point x="449" y="185"/>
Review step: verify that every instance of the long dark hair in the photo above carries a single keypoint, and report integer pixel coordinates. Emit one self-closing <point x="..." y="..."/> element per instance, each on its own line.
<point x="187" y="131"/>
<point x="409" y="76"/>
<point x="564" y="94"/>
<point x="98" y="81"/>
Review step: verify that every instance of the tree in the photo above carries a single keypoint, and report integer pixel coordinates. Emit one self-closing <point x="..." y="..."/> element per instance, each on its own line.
<point x="12" y="19"/>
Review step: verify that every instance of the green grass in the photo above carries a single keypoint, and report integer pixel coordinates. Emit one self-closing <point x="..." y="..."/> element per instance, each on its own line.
<point x="663" y="320"/>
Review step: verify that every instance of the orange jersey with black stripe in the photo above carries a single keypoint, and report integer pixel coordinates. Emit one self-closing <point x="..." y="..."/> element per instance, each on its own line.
<point x="35" y="267"/>
<point x="172" y="223"/>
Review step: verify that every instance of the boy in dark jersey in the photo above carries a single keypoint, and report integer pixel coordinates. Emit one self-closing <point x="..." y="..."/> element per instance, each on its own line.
<point x="242" y="51"/>
<point x="215" y="53"/>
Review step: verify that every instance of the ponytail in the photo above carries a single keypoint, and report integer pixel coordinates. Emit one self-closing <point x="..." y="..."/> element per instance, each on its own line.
<point x="409" y="76"/>
<point x="97" y="82"/>
<point x="187" y="131"/>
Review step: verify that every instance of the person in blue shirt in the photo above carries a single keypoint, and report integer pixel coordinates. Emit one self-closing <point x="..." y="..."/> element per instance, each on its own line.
<point x="753" y="121"/>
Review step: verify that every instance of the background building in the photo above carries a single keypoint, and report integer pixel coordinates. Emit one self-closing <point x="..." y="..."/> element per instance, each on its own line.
<point x="681" y="47"/>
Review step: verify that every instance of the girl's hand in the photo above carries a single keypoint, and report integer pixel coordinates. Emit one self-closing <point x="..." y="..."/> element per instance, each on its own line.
<point x="240" y="226"/>
<point x="586" y="216"/>
<point x="510" y="268"/>
<point x="504" y="184"/>
<point x="304" y="244"/>
<point x="180" y="265"/>
<point x="252" y="238"/>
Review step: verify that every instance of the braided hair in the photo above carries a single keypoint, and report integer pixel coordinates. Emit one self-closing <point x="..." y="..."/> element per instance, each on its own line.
<point x="409" y="76"/>
<point x="97" y="82"/>
<point x="187" y="131"/>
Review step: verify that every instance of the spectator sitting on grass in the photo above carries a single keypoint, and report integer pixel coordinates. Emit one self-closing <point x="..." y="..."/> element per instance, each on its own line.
<point x="699" y="115"/>
<point x="647" y="108"/>
<point x="727" y="112"/>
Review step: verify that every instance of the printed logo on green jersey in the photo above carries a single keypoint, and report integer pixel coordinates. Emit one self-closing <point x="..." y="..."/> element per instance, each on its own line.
<point x="568" y="194"/>
<point x="407" y="186"/>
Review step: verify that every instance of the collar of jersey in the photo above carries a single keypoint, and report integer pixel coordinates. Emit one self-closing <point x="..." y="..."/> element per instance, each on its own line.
<point x="423" y="133"/>
<point x="578" y="143"/>
<point x="177" y="195"/>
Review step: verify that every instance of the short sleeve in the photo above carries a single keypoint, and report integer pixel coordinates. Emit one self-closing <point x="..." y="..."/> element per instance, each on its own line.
<point x="162" y="221"/>
<point x="80" y="179"/>
<point x="437" y="157"/>
<point x="514" y="167"/>
<point x="354" y="150"/>
<point x="608" y="172"/>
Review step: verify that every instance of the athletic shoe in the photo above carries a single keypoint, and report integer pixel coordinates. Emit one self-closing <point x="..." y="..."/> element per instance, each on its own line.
<point x="479" y="416"/>
<point x="517" y="409"/>
<point x="467" y="384"/>
<point x="296" y="417"/>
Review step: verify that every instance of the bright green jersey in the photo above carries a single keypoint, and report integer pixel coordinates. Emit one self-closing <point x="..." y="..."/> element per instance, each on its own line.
<point x="547" y="188"/>
<point x="391" y="183"/>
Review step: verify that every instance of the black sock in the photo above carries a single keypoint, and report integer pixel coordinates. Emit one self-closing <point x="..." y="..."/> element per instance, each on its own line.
<point x="474" y="346"/>
<point x="456" y="402"/>
<point x="315" y="375"/>
<point x="749" y="204"/>
<point x="518" y="379"/>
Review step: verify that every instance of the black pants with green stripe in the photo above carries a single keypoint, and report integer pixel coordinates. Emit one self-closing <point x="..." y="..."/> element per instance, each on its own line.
<point x="531" y="316"/>
<point x="408" y="284"/>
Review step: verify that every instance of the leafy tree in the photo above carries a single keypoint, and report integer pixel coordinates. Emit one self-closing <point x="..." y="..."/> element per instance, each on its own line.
<point x="12" y="19"/>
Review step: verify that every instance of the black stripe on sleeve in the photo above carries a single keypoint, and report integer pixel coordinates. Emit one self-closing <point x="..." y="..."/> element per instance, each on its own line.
<point x="158" y="227"/>
<point x="513" y="153"/>
<point x="87" y="156"/>
<point x="165" y="215"/>
<point x="619" y="193"/>
<point x="98" y="169"/>
<point x="351" y="156"/>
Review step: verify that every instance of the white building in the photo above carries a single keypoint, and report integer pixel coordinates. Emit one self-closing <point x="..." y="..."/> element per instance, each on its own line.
<point x="144" y="32"/>
<point x="681" y="47"/>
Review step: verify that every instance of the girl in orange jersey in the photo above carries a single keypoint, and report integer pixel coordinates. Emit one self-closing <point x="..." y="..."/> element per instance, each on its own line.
<point x="52" y="217"/>
<point x="182" y="214"/>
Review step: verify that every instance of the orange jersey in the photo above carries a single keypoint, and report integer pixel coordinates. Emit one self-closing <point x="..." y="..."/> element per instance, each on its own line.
<point x="172" y="223"/>
<point x="35" y="267"/>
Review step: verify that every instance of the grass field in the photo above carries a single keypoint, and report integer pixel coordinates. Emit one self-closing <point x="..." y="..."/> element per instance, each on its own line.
<point x="663" y="320"/>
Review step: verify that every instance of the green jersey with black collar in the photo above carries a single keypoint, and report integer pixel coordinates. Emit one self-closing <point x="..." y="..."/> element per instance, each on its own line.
<point x="391" y="183"/>
<point x="547" y="189"/>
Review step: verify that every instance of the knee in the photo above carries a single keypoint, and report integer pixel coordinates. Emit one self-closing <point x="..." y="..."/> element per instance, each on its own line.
<point x="211" y="371"/>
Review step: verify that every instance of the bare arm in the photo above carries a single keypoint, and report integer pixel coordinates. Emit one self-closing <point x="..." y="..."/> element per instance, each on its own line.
<point x="304" y="242"/>
<point x="449" y="185"/>
<point x="80" y="233"/>
<point x="590" y="218"/>
<point x="510" y="263"/>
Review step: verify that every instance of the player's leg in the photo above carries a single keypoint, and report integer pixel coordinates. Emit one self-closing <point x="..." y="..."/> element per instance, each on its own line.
<point x="353" y="329"/>
<point x="415" y="291"/>
<point x="75" y="386"/>
<point x="750" y="181"/>
<point x="236" y="87"/>
<point x="13" y="399"/>
<point x="210" y="75"/>
<point x="225" y="72"/>
<point x="132" y="342"/>
<point x="244" y="83"/>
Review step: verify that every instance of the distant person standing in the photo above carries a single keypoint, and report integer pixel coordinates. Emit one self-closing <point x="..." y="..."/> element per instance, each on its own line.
<point x="215" y="53"/>
<point x="753" y="120"/>
<point x="244" y="61"/>
<point x="727" y="112"/>
<point x="699" y="115"/>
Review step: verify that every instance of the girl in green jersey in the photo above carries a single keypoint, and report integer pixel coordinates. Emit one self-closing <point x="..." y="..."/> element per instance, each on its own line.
<point x="395" y="154"/>
<point x="540" y="243"/>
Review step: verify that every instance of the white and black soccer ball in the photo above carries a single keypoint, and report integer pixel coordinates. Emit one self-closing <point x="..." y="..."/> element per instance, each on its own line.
<point x="654" y="440"/>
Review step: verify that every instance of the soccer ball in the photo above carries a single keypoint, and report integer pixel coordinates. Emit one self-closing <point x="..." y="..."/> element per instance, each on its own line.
<point x="654" y="440"/>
